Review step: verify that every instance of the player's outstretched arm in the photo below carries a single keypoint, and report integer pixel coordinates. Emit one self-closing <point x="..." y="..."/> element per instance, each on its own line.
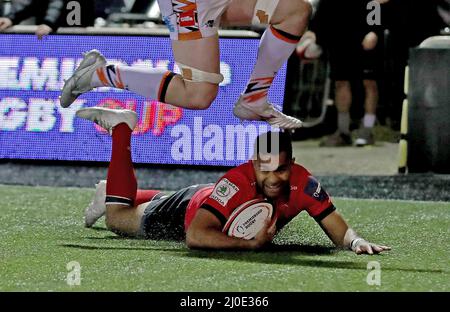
<point x="205" y="232"/>
<point x="343" y="236"/>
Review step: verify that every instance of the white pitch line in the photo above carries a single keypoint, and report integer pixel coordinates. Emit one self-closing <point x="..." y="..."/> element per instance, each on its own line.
<point x="394" y="200"/>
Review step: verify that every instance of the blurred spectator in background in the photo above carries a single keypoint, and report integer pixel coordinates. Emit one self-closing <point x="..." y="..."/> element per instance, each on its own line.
<point x="353" y="47"/>
<point x="46" y="14"/>
<point x="49" y="15"/>
<point x="341" y="29"/>
<point x="104" y="8"/>
<point x="443" y="8"/>
<point x="409" y="22"/>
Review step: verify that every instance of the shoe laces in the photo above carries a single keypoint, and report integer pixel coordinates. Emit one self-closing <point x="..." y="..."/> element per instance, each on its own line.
<point x="104" y="123"/>
<point x="281" y="118"/>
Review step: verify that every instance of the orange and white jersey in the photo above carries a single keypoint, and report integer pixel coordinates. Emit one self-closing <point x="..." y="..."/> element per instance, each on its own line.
<point x="192" y="19"/>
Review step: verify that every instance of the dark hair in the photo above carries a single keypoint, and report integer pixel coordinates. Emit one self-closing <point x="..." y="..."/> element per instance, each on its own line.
<point x="267" y="143"/>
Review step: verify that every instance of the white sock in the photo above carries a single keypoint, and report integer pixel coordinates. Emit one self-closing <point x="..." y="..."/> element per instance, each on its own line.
<point x="344" y="123"/>
<point x="145" y="82"/>
<point x="369" y="120"/>
<point x="275" y="48"/>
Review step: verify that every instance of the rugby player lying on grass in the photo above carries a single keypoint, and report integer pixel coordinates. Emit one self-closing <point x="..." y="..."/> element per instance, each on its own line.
<point x="198" y="213"/>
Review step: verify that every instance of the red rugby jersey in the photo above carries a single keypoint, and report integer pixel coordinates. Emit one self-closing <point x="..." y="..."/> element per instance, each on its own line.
<point x="238" y="186"/>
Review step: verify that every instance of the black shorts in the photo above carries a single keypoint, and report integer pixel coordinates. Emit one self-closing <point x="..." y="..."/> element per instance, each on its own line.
<point x="356" y="65"/>
<point x="163" y="218"/>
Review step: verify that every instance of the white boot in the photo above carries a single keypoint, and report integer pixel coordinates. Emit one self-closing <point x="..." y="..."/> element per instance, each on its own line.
<point x="97" y="207"/>
<point x="80" y="82"/>
<point x="108" y="118"/>
<point x="267" y="113"/>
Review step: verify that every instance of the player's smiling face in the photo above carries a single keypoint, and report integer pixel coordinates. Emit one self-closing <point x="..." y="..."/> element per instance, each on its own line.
<point x="272" y="173"/>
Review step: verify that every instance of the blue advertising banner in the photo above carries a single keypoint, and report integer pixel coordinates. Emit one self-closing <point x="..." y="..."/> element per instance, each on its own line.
<point x="34" y="126"/>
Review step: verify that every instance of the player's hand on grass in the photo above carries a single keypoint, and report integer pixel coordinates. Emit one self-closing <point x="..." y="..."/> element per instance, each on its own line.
<point x="266" y="234"/>
<point x="5" y="23"/>
<point x="361" y="246"/>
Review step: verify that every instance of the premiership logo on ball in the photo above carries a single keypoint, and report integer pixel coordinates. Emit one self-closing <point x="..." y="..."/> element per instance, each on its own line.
<point x="248" y="219"/>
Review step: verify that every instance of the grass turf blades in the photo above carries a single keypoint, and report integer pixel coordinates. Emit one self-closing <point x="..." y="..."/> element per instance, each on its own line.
<point x="42" y="231"/>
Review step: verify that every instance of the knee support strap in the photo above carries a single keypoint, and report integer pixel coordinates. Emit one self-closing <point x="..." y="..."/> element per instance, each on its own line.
<point x="196" y="75"/>
<point x="264" y="10"/>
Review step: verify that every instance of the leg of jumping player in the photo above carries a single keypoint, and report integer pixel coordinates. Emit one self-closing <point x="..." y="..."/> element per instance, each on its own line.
<point x="123" y="201"/>
<point x="97" y="208"/>
<point x="196" y="51"/>
<point x="288" y="20"/>
<point x="163" y="86"/>
<point x="169" y="87"/>
<point x="193" y="26"/>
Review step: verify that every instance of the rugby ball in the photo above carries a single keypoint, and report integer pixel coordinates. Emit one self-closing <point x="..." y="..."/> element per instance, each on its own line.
<point x="248" y="219"/>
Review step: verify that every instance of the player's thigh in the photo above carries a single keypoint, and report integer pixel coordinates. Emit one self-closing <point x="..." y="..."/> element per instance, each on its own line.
<point x="202" y="54"/>
<point x="124" y="219"/>
<point x="286" y="8"/>
<point x="239" y="13"/>
<point x="244" y="12"/>
<point x="193" y="27"/>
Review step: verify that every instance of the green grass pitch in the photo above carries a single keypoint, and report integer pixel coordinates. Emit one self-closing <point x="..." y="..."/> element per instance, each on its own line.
<point x="42" y="231"/>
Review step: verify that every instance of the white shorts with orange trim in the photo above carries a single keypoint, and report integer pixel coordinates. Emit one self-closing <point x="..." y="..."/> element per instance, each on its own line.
<point x="263" y="12"/>
<point x="192" y="19"/>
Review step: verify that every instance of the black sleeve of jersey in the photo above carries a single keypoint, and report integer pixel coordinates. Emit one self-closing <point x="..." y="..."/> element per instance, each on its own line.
<point x="325" y="213"/>
<point x="21" y="11"/>
<point x="54" y="14"/>
<point x="215" y="212"/>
